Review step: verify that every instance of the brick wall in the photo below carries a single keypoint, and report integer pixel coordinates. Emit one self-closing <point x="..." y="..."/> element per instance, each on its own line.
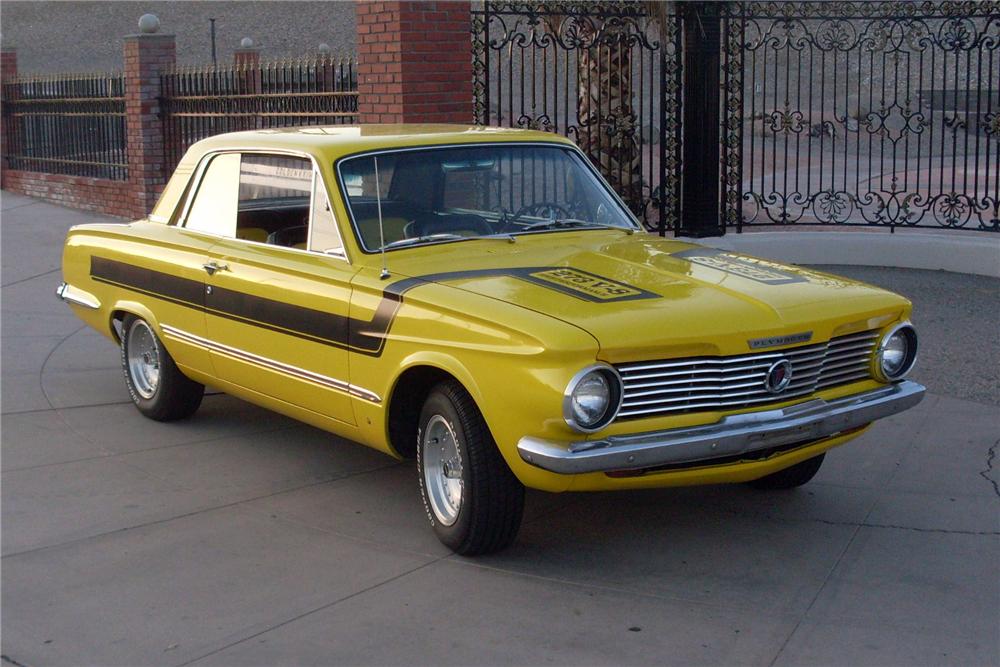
<point x="146" y="56"/>
<point x="91" y="194"/>
<point x="414" y="66"/>
<point x="414" y="62"/>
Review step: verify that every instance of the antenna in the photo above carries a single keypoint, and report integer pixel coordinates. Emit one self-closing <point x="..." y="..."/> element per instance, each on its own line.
<point x="381" y="231"/>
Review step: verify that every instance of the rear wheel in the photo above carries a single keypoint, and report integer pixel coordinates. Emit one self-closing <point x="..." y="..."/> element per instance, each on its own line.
<point x="157" y="387"/>
<point x="790" y="477"/>
<point x="472" y="499"/>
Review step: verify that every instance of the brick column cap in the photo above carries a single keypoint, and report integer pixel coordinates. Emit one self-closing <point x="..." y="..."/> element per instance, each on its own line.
<point x="148" y="37"/>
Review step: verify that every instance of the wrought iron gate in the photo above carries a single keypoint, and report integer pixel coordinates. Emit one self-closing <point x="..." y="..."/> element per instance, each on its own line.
<point x="864" y="113"/>
<point x="605" y="74"/>
<point x="830" y="113"/>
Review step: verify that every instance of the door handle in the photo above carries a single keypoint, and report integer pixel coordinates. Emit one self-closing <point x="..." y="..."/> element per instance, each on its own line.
<point x="212" y="267"/>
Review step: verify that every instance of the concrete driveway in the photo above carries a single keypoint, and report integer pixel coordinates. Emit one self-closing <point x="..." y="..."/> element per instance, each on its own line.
<point x="240" y="537"/>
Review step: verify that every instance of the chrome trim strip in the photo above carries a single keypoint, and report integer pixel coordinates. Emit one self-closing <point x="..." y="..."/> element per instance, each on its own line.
<point x="77" y="297"/>
<point x="271" y="364"/>
<point x="733" y="435"/>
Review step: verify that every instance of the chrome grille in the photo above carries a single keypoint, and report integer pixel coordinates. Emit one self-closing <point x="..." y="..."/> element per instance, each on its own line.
<point x="708" y="383"/>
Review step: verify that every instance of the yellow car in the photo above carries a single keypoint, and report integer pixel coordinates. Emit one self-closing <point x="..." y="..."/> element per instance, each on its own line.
<point x="480" y="299"/>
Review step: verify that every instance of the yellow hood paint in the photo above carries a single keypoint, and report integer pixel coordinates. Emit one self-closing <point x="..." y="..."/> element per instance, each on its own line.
<point x="707" y="302"/>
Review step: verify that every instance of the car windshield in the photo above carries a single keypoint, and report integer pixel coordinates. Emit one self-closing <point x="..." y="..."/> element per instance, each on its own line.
<point x="438" y="195"/>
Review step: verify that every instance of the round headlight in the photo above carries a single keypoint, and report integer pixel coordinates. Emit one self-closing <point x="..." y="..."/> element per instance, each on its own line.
<point x="592" y="398"/>
<point x="897" y="351"/>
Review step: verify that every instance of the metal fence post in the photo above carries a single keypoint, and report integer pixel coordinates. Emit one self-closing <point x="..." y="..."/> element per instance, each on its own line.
<point x="700" y="215"/>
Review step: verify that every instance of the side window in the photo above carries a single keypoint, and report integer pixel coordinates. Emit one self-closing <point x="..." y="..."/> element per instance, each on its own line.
<point x="215" y="203"/>
<point x="323" y="235"/>
<point x="274" y="192"/>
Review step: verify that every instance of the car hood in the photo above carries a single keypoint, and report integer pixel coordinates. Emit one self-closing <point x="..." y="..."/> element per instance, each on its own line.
<point x="642" y="296"/>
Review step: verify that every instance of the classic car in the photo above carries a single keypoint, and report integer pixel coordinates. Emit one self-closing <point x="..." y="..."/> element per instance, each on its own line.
<point x="480" y="299"/>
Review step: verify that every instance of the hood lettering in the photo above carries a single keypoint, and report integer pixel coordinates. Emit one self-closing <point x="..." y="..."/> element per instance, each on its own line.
<point x="594" y="286"/>
<point x="751" y="268"/>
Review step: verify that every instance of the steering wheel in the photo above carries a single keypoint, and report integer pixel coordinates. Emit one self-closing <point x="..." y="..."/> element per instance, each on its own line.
<point x="543" y="209"/>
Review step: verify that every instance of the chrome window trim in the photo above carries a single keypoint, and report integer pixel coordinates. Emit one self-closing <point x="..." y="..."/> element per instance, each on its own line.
<point x="271" y="364"/>
<point x="572" y="148"/>
<point x="198" y="174"/>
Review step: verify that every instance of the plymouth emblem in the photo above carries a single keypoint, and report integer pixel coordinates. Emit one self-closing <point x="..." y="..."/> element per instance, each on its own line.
<point x="774" y="341"/>
<point x="778" y="376"/>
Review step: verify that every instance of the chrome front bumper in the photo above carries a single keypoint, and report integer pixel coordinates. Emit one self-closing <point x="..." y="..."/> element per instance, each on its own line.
<point x="731" y="436"/>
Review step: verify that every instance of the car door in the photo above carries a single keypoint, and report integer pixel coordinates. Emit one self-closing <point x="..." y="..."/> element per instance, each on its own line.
<point x="278" y="289"/>
<point x="174" y="274"/>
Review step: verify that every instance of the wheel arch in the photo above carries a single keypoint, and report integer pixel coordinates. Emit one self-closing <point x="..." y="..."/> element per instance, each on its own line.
<point x="409" y="391"/>
<point x="121" y="309"/>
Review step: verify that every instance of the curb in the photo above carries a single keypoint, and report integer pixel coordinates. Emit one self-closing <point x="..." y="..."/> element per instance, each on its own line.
<point x="976" y="255"/>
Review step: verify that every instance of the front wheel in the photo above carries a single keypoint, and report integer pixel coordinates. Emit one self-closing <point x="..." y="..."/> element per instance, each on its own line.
<point x="154" y="382"/>
<point x="790" y="477"/>
<point x="472" y="499"/>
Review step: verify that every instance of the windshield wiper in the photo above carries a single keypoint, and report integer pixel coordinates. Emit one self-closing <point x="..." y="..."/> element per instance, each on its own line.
<point x="565" y="223"/>
<point x="447" y="237"/>
<point x="423" y="239"/>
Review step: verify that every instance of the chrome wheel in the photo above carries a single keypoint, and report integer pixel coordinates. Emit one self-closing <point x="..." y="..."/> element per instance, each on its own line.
<point x="143" y="358"/>
<point x="442" y="470"/>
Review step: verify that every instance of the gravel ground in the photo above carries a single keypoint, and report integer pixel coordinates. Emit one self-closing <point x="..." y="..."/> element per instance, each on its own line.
<point x="958" y="319"/>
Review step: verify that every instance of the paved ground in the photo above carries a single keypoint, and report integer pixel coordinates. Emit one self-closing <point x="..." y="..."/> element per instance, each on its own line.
<point x="241" y="537"/>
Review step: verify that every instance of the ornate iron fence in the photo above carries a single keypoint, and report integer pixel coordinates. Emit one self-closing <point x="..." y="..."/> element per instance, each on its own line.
<point x="604" y="74"/>
<point x="862" y="113"/>
<point x="67" y="124"/>
<point x="831" y="113"/>
<point x="200" y="102"/>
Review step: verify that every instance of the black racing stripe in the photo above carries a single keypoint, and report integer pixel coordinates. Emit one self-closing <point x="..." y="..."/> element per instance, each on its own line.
<point x="364" y="337"/>
<point x="318" y="324"/>
<point x="155" y="283"/>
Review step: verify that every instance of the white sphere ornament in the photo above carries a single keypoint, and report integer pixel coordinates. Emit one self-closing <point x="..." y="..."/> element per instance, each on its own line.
<point x="324" y="47"/>
<point x="246" y="43"/>
<point x="148" y="24"/>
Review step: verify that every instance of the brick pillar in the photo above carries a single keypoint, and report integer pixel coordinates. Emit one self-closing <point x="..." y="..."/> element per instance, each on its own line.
<point x="146" y="56"/>
<point x="414" y="62"/>
<point x="8" y="72"/>
<point x="246" y="57"/>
